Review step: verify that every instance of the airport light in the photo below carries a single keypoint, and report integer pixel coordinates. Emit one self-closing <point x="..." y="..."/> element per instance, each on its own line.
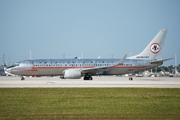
<point x="4" y="61"/>
<point x="175" y="64"/>
<point x="30" y="55"/>
<point x="81" y="55"/>
<point x="63" y="55"/>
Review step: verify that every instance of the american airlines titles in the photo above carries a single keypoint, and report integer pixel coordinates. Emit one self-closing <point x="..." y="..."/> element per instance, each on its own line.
<point x="142" y="57"/>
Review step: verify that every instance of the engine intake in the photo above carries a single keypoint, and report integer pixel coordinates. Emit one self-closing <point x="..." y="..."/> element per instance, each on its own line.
<point x="72" y="74"/>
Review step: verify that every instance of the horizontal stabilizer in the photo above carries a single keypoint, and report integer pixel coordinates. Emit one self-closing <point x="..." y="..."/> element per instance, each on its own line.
<point x="159" y="61"/>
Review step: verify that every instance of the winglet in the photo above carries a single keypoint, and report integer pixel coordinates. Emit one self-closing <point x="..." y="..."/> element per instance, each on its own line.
<point x="122" y="60"/>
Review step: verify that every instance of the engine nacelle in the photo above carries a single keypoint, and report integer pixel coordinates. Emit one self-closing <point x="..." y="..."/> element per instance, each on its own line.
<point x="72" y="74"/>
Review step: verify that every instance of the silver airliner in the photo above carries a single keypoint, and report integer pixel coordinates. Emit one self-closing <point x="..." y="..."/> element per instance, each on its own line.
<point x="76" y="68"/>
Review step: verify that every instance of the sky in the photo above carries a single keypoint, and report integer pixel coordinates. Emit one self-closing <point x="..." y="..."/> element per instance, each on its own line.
<point x="92" y="28"/>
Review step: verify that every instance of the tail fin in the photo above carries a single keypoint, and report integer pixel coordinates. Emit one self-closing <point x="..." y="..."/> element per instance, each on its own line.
<point x="154" y="49"/>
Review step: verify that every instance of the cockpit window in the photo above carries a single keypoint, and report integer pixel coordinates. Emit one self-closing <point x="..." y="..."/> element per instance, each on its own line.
<point x="10" y="66"/>
<point x="15" y="64"/>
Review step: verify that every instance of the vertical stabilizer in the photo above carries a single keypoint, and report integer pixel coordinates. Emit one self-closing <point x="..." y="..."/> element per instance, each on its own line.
<point x="154" y="48"/>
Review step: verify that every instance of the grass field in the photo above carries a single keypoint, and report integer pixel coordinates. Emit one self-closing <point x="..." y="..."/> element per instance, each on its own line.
<point x="89" y="103"/>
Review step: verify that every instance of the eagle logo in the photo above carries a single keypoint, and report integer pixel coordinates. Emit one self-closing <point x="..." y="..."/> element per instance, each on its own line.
<point x="155" y="48"/>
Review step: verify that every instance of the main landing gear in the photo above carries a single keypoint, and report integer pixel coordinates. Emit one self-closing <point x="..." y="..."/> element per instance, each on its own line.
<point x="88" y="78"/>
<point x="22" y="78"/>
<point x="130" y="76"/>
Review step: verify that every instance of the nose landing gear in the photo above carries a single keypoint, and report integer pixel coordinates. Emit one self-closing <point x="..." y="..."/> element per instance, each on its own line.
<point x="130" y="78"/>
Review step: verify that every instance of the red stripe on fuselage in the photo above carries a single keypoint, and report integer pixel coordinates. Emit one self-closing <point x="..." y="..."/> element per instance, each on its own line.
<point x="32" y="70"/>
<point x="35" y="68"/>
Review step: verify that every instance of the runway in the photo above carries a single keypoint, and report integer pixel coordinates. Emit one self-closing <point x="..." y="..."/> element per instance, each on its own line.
<point x="105" y="81"/>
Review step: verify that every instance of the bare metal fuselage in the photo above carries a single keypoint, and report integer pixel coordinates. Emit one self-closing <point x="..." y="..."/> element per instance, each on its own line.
<point x="55" y="67"/>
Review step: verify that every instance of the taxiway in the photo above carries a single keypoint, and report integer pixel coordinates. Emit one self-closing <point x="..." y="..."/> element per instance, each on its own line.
<point x="104" y="81"/>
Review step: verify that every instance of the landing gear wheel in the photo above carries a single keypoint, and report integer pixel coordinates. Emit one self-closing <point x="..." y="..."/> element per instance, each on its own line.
<point x="22" y="78"/>
<point x="130" y="78"/>
<point x="88" y="78"/>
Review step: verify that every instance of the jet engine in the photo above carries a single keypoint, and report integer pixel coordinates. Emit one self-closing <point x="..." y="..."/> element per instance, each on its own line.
<point x="72" y="74"/>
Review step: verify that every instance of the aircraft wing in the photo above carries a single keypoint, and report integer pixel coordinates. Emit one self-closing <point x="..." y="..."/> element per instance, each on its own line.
<point x="95" y="70"/>
<point x="160" y="61"/>
<point x="102" y="69"/>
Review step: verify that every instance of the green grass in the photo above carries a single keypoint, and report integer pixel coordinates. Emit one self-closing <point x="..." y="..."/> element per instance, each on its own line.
<point x="89" y="103"/>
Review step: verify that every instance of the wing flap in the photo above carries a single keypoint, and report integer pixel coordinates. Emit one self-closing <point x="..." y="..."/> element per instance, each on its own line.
<point x="94" y="70"/>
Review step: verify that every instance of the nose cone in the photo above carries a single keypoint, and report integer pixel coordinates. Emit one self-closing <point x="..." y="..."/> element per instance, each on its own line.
<point x="8" y="72"/>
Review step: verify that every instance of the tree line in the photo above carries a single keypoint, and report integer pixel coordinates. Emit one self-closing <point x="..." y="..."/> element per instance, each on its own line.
<point x="170" y="69"/>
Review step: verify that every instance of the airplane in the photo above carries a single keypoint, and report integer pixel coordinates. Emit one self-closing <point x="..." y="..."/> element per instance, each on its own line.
<point x="149" y="58"/>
